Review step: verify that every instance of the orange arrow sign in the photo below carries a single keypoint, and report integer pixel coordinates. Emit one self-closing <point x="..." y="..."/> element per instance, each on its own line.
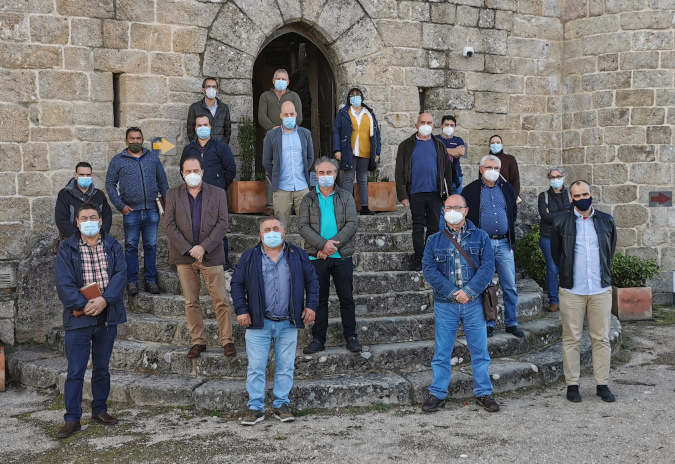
<point x="163" y="145"/>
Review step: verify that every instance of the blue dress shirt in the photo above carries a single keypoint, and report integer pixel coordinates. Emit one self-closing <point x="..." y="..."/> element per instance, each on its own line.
<point x="493" y="218"/>
<point x="586" y="272"/>
<point x="277" y="284"/>
<point x="292" y="173"/>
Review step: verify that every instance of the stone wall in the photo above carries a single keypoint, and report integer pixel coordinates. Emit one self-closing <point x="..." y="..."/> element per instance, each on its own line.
<point x="587" y="83"/>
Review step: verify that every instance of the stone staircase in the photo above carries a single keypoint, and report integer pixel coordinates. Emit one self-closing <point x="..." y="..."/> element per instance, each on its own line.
<point x="395" y="323"/>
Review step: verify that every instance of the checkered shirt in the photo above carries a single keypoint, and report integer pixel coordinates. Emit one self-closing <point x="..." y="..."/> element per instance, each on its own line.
<point x="94" y="264"/>
<point x="457" y="235"/>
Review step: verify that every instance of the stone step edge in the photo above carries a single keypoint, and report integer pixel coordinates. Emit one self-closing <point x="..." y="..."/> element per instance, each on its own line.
<point x="535" y="369"/>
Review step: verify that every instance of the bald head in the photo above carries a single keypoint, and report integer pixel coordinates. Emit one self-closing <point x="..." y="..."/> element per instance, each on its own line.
<point x="288" y="110"/>
<point x="455" y="200"/>
<point x="425" y="118"/>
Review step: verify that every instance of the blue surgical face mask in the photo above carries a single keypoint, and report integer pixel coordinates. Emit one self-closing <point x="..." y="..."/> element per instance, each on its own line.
<point x="84" y="182"/>
<point x="203" y="132"/>
<point x="280" y="85"/>
<point x="584" y="204"/>
<point x="495" y="148"/>
<point x="556" y="183"/>
<point x="355" y="100"/>
<point x="272" y="239"/>
<point x="326" y="181"/>
<point x="289" y="123"/>
<point x="89" y="228"/>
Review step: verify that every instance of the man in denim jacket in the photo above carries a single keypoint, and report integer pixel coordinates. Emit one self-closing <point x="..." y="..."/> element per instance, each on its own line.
<point x="457" y="297"/>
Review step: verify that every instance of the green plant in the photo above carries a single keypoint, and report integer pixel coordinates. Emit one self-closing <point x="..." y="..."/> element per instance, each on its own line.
<point x="259" y="176"/>
<point x="374" y="176"/>
<point x="632" y="271"/>
<point x="246" y="139"/>
<point x="529" y="258"/>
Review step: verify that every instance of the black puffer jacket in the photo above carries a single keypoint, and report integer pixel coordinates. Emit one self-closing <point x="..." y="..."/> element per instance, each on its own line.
<point x="70" y="199"/>
<point x="221" y="127"/>
<point x="558" y="204"/>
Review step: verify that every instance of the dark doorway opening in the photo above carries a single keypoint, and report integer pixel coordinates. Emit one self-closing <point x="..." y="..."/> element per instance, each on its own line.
<point x="312" y="78"/>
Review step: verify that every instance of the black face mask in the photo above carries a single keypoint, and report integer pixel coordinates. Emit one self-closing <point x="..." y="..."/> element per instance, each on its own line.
<point x="583" y="204"/>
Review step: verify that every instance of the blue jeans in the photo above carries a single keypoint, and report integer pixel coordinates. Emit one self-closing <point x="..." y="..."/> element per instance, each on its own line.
<point x="146" y="221"/>
<point x="551" y="270"/>
<point x="79" y="343"/>
<point x="285" y="337"/>
<point x="506" y="270"/>
<point x="448" y="316"/>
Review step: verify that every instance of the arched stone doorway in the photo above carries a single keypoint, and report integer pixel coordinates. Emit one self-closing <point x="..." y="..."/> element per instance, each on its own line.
<point x="312" y="77"/>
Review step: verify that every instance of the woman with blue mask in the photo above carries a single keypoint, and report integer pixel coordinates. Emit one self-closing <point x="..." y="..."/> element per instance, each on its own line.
<point x="553" y="202"/>
<point x="509" y="169"/>
<point x="356" y="144"/>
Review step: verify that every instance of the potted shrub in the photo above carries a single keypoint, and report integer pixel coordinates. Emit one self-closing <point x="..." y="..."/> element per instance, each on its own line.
<point x="529" y="258"/>
<point x="247" y="195"/>
<point x="631" y="298"/>
<point x="381" y="193"/>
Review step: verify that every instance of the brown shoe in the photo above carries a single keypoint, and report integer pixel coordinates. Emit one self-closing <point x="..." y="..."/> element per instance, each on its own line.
<point x="195" y="350"/>
<point x="230" y="350"/>
<point x="553" y="307"/>
<point x="104" y="418"/>
<point x="269" y="212"/>
<point x="68" y="429"/>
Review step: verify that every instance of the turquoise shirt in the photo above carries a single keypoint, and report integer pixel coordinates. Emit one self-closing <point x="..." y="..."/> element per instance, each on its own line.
<point x="328" y="223"/>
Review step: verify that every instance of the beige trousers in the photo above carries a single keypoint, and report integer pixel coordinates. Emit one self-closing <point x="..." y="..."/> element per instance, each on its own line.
<point x="597" y="309"/>
<point x="214" y="277"/>
<point x="283" y="201"/>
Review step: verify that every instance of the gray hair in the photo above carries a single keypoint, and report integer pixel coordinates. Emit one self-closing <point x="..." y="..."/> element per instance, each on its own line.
<point x="325" y="159"/>
<point x="271" y="217"/>
<point x="557" y="168"/>
<point x="281" y="71"/>
<point x="491" y="158"/>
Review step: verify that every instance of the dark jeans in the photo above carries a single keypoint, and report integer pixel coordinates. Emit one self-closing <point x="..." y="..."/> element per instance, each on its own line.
<point x="226" y="245"/>
<point x="424" y="208"/>
<point x="342" y="271"/>
<point x="147" y="222"/>
<point x="79" y="343"/>
<point x="551" y="270"/>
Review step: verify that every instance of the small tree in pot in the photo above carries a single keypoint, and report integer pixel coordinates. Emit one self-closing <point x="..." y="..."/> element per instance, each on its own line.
<point x="247" y="195"/>
<point x="631" y="298"/>
<point x="381" y="193"/>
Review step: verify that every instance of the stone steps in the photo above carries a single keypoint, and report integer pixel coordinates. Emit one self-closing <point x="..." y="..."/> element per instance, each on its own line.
<point x="43" y="368"/>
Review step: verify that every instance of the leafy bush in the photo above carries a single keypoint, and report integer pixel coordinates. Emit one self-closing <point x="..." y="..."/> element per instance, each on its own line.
<point x="246" y="139"/>
<point x="632" y="271"/>
<point x="529" y="258"/>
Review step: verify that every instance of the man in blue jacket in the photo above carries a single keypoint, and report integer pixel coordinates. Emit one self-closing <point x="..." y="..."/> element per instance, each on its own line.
<point x="275" y="292"/>
<point x="217" y="160"/>
<point x="457" y="298"/>
<point x="139" y="175"/>
<point x="89" y="257"/>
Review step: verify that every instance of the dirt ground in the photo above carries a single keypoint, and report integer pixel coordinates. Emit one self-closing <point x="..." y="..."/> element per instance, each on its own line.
<point x="534" y="426"/>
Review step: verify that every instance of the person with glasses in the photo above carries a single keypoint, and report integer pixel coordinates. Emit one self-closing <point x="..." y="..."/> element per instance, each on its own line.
<point x="553" y="203"/>
<point x="457" y="298"/>
<point x="135" y="179"/>
<point x="219" y="111"/>
<point x="357" y="144"/>
<point x="492" y="208"/>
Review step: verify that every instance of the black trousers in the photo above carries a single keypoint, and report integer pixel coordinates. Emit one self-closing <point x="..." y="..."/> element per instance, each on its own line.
<point x="342" y="270"/>
<point x="425" y="209"/>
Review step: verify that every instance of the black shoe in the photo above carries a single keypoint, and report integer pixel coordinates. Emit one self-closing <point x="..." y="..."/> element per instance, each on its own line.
<point x="353" y="345"/>
<point x="152" y="287"/>
<point x="488" y="403"/>
<point x="417" y="264"/>
<point x="603" y="392"/>
<point x="314" y="347"/>
<point x="366" y="212"/>
<point x="132" y="289"/>
<point x="490" y="332"/>
<point x="432" y="404"/>
<point x="515" y="331"/>
<point x="573" y="394"/>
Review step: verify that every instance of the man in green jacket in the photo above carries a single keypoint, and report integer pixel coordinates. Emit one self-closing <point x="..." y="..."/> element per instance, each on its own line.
<point x="269" y="111"/>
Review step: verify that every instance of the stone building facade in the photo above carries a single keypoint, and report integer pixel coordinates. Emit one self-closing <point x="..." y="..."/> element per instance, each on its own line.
<point x="583" y="83"/>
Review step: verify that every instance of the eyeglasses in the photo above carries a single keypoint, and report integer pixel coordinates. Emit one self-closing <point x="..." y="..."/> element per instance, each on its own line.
<point x="556" y="177"/>
<point x="455" y="208"/>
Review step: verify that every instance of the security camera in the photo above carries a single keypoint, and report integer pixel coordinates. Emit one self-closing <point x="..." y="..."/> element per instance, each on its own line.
<point x="468" y="52"/>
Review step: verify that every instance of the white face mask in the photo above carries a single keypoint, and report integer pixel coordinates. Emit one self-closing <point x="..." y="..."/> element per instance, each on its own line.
<point x="425" y="130"/>
<point x="491" y="175"/>
<point x="453" y="217"/>
<point x="448" y="131"/>
<point x="193" y="179"/>
<point x="211" y="93"/>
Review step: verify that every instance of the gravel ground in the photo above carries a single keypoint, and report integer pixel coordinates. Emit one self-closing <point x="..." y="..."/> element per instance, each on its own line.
<point x="534" y="426"/>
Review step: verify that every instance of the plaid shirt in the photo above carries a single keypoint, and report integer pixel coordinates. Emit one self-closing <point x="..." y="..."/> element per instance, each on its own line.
<point x="94" y="264"/>
<point x="457" y="235"/>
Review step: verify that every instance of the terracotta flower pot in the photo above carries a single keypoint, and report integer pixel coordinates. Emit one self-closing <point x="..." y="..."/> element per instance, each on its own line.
<point x="247" y="197"/>
<point x="381" y="196"/>
<point x="632" y="304"/>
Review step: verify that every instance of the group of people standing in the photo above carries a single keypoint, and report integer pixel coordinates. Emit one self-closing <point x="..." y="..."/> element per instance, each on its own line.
<point x="278" y="287"/>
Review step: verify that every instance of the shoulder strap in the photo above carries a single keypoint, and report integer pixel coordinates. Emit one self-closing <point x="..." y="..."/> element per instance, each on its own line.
<point x="460" y="249"/>
<point x="548" y="199"/>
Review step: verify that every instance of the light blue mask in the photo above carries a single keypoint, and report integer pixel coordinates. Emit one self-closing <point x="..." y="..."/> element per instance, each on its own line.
<point x="203" y="132"/>
<point x="556" y="183"/>
<point x="495" y="148"/>
<point x="326" y="181"/>
<point x="289" y="123"/>
<point x="355" y="100"/>
<point x="89" y="228"/>
<point x="272" y="239"/>
<point x="280" y="85"/>
<point x="84" y="182"/>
